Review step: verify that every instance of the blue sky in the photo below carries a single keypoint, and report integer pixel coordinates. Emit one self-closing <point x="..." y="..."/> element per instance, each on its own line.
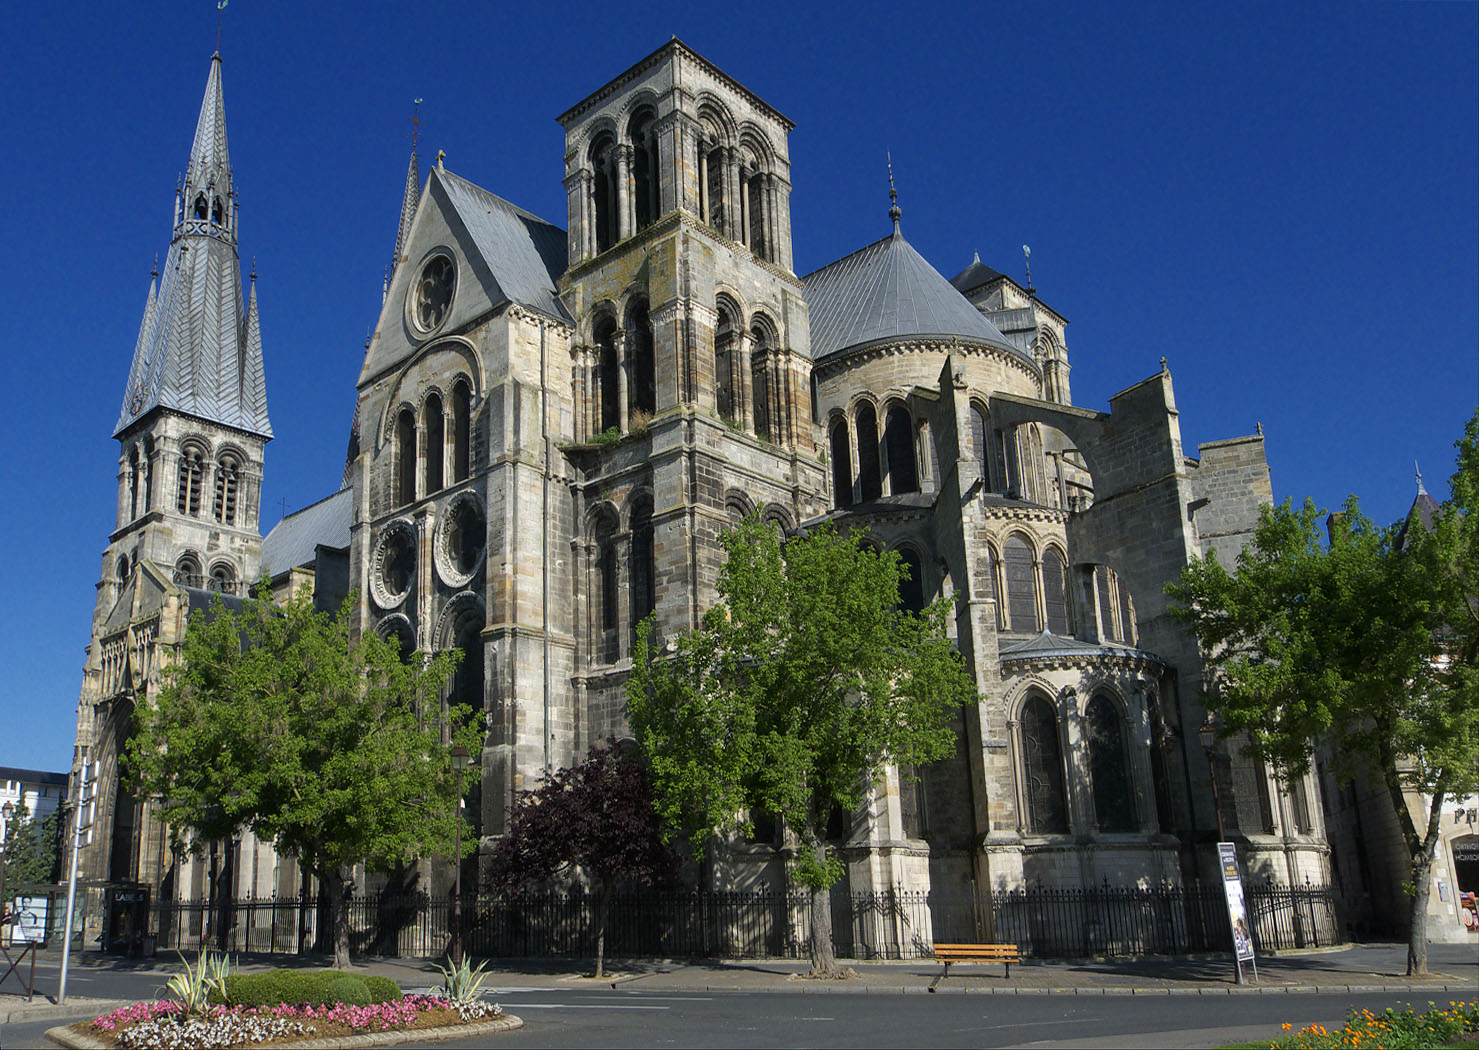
<point x="1281" y="199"/>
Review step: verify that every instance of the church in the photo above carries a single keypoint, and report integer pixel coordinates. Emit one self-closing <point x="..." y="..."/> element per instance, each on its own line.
<point x="553" y="425"/>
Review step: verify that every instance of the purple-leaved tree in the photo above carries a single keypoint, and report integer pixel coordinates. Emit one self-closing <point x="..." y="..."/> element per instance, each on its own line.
<point x="596" y="816"/>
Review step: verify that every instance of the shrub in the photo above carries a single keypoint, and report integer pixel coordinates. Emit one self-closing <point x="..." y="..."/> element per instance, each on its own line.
<point x="307" y="987"/>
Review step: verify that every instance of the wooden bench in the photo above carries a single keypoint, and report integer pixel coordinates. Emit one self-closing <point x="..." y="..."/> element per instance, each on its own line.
<point x="959" y="953"/>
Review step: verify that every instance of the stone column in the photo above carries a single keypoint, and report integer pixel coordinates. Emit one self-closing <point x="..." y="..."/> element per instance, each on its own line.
<point x="744" y="345"/>
<point x="744" y="209"/>
<point x="625" y="205"/>
<point x="731" y="192"/>
<point x="1019" y="790"/>
<point x="703" y="181"/>
<point x="855" y="466"/>
<point x="620" y="338"/>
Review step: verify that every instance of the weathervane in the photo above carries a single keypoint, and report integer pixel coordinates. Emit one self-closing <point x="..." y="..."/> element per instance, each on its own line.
<point x="1027" y="255"/>
<point x="416" y="125"/>
<point x="894" y="211"/>
<point x="1421" y="490"/>
<point x="220" y="6"/>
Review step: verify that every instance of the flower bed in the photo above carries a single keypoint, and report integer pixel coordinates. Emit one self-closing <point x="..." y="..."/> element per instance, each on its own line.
<point x="161" y="1025"/>
<point x="1391" y="1029"/>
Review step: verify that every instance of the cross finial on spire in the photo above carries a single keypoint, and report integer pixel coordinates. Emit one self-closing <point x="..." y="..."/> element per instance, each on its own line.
<point x="254" y="267"/>
<point x="441" y="156"/>
<point x="1421" y="489"/>
<point x="1163" y="364"/>
<point x="154" y="270"/>
<point x="894" y="211"/>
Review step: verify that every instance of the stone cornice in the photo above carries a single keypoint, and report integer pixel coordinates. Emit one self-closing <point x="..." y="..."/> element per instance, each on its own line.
<point x="840" y="360"/>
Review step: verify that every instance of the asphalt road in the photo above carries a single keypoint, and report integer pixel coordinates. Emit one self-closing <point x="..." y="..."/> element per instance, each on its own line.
<point x="556" y="1017"/>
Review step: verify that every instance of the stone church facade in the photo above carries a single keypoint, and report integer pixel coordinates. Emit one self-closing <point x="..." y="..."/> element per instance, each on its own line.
<point x="553" y="426"/>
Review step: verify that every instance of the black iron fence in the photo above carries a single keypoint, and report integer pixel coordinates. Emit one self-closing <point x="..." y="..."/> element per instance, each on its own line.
<point x="895" y="924"/>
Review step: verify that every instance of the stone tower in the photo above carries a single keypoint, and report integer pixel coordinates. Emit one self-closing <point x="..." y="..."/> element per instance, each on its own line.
<point x="191" y="433"/>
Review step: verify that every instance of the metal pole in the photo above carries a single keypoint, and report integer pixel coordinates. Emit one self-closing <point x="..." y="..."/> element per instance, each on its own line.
<point x="456" y="952"/>
<point x="5" y="814"/>
<point x="61" y="993"/>
<point x="1216" y="795"/>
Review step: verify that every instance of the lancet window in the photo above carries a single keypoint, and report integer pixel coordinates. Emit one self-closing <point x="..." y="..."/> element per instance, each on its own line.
<point x="1055" y="592"/>
<point x="608" y="374"/>
<point x="405" y="457"/>
<point x="841" y="465"/>
<point x="604" y="191"/>
<point x="911" y="589"/>
<point x="1109" y="766"/>
<point x="461" y="431"/>
<point x="434" y="426"/>
<point x="870" y="484"/>
<point x="190" y="481"/>
<point x="762" y="364"/>
<point x="1042" y="769"/>
<point x="726" y="362"/>
<point x="642" y="569"/>
<point x="1016" y="556"/>
<point x="645" y="181"/>
<point x="609" y="597"/>
<point x="228" y="484"/>
<point x="898" y="438"/>
<point x="642" y="391"/>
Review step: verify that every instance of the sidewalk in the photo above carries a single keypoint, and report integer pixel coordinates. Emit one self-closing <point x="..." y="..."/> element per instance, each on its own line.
<point x="1362" y="968"/>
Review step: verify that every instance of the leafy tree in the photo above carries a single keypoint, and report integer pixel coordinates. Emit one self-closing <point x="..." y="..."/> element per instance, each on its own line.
<point x="1362" y="641"/>
<point x="798" y="686"/>
<point x="597" y="816"/>
<point x="278" y="720"/>
<point x="33" y="849"/>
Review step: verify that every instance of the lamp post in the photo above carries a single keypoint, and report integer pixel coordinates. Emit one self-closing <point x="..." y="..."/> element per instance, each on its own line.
<point x="460" y="761"/>
<point x="6" y="812"/>
<point x="1208" y="736"/>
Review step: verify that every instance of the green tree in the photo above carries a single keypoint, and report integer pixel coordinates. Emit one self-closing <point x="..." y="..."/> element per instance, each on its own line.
<point x="1360" y="641"/>
<point x="798" y="686"/>
<point x="33" y="849"/>
<point x="276" y="719"/>
<point x="597" y="816"/>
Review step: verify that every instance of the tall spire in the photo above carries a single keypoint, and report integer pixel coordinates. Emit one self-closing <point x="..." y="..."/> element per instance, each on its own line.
<point x="410" y="197"/>
<point x="1421" y="488"/>
<point x="199" y="349"/>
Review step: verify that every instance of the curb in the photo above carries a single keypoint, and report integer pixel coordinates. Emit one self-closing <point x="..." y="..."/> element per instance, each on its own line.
<point x="45" y="1009"/>
<point x="1284" y="989"/>
<point x="63" y="1036"/>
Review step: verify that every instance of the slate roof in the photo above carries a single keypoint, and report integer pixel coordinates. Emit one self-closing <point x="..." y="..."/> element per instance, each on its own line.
<point x="1047" y="644"/>
<point x="888" y="292"/>
<point x="525" y="254"/>
<point x="199" y="349"/>
<point x="975" y="275"/>
<point x="293" y="540"/>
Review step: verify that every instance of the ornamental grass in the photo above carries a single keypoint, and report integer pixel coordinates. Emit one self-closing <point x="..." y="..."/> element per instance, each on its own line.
<point x="1458" y="1025"/>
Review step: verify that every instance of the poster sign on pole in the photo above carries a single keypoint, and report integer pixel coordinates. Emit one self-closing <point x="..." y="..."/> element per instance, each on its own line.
<point x="29" y="915"/>
<point x="1237" y="908"/>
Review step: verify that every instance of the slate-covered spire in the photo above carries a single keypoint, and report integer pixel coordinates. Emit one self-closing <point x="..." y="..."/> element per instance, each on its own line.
<point x="200" y="350"/>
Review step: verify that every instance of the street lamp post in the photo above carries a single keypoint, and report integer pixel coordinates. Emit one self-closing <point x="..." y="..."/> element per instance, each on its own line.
<point x="1208" y="736"/>
<point x="460" y="761"/>
<point x="6" y="812"/>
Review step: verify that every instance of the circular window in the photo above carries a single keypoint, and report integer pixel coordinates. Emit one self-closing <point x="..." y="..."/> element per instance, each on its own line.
<point x="431" y="295"/>
<point x="395" y="565"/>
<point x="461" y="541"/>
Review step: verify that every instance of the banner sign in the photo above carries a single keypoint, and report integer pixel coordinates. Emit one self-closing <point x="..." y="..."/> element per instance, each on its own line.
<point x="1237" y="909"/>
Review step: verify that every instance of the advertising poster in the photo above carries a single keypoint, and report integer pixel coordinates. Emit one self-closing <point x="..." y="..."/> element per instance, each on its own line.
<point x="1237" y="909"/>
<point x="28" y="919"/>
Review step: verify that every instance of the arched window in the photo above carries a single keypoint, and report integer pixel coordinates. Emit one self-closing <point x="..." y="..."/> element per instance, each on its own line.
<point x="761" y="351"/>
<point x="201" y="207"/>
<point x="640" y="372"/>
<point x="714" y="162"/>
<point x="869" y="482"/>
<point x="980" y="445"/>
<point x="911" y="590"/>
<point x="148" y="475"/>
<point x="757" y="191"/>
<point x="608" y="598"/>
<point x="609" y="376"/>
<point x="228" y="473"/>
<point x="461" y="431"/>
<point x="1109" y="766"/>
<point x="1016" y="558"/>
<point x="898" y="438"/>
<point x="1042" y="769"/>
<point x="841" y="465"/>
<point x="398" y="631"/>
<point x="603" y="191"/>
<point x="645" y="182"/>
<point x="435" y="430"/>
<point x="642" y="570"/>
<point x="123" y="568"/>
<point x="187" y="571"/>
<point x="1055" y="592"/>
<point x="222" y="578"/>
<point x="192" y="477"/>
<point x="467" y="681"/>
<point x="218" y="212"/>
<point x="726" y="353"/>
<point x="133" y="483"/>
<point x="405" y="457"/>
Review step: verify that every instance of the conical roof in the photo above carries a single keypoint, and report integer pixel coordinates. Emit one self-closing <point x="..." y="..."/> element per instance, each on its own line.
<point x="975" y="275"/>
<point x="210" y="161"/>
<point x="887" y="292"/>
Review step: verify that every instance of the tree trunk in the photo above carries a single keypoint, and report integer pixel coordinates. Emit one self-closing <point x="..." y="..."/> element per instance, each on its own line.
<point x="1422" y="886"/>
<point x="333" y="882"/>
<point x="601" y="911"/>
<point x="819" y="945"/>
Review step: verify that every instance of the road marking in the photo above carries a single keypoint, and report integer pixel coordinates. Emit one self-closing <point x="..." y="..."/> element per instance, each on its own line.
<point x="585" y="1006"/>
<point x="1032" y="1024"/>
